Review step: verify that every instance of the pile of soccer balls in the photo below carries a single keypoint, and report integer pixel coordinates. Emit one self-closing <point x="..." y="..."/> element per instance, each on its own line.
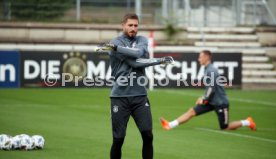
<point x="21" y="142"/>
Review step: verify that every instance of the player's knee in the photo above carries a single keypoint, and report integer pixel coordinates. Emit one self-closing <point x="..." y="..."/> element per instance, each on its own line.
<point x="224" y="127"/>
<point x="147" y="136"/>
<point x="116" y="148"/>
<point x="118" y="142"/>
<point x="191" y="112"/>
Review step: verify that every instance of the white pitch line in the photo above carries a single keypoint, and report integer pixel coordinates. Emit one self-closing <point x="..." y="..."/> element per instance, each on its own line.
<point x="233" y="99"/>
<point x="266" y="129"/>
<point x="253" y="101"/>
<point x="239" y="135"/>
<point x="254" y="108"/>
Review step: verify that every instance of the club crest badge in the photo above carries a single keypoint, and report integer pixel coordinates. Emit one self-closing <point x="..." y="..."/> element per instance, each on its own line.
<point x="75" y="64"/>
<point x="115" y="109"/>
<point x="133" y="45"/>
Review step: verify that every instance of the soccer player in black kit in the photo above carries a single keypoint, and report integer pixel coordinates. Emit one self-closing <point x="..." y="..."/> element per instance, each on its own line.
<point x="128" y="58"/>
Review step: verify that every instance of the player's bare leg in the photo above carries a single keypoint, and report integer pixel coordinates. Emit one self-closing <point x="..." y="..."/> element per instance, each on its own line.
<point x="180" y="120"/>
<point x="234" y="125"/>
<point x="186" y="116"/>
<point x="249" y="122"/>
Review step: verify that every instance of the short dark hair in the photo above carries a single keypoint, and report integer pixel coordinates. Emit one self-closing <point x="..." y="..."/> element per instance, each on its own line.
<point x="130" y="16"/>
<point x="208" y="53"/>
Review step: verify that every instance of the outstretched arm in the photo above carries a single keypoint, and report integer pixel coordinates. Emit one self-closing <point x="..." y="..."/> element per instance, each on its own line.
<point x="142" y="62"/>
<point x="138" y="51"/>
<point x="116" y="47"/>
<point x="132" y="52"/>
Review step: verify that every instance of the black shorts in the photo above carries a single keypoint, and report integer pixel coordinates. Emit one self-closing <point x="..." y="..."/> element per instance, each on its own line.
<point x="221" y="111"/>
<point x="123" y="107"/>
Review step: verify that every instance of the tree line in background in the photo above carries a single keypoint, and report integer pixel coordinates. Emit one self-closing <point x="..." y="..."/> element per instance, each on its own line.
<point x="35" y="9"/>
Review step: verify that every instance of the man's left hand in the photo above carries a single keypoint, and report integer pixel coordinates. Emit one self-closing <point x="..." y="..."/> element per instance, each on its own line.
<point x="199" y="101"/>
<point x="106" y="47"/>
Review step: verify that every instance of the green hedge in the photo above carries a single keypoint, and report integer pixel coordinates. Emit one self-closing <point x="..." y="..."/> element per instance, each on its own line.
<point x="39" y="9"/>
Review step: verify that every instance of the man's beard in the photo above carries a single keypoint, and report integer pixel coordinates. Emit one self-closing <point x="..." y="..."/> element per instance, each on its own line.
<point x="131" y="34"/>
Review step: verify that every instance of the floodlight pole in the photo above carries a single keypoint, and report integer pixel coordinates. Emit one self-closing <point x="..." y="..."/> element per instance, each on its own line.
<point x="205" y="21"/>
<point x="128" y="5"/>
<point x="187" y="12"/>
<point x="138" y="9"/>
<point x="164" y="11"/>
<point x="78" y="5"/>
<point x="255" y="13"/>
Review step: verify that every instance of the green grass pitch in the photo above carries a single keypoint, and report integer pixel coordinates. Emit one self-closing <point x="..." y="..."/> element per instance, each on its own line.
<point x="76" y="125"/>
